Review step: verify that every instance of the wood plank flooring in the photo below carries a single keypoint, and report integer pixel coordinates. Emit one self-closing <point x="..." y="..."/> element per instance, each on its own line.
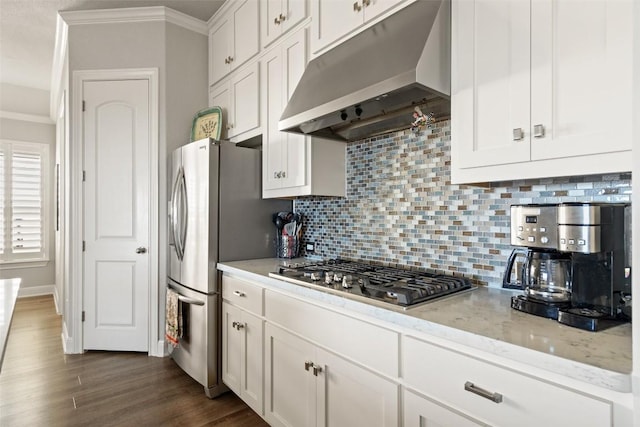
<point x="41" y="386"/>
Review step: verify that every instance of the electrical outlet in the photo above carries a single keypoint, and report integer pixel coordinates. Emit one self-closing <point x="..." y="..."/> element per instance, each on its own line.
<point x="310" y="247"/>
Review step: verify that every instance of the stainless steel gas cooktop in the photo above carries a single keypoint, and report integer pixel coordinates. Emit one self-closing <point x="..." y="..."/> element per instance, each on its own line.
<point x="388" y="285"/>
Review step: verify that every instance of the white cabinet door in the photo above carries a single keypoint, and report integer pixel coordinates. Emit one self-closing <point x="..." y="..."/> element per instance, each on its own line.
<point x="245" y="89"/>
<point x="581" y="77"/>
<point x="220" y="96"/>
<point x="285" y="154"/>
<point x="343" y="387"/>
<point x="279" y="16"/>
<point x="333" y="19"/>
<point x="220" y="41"/>
<point x="246" y="33"/>
<point x="490" y="84"/>
<point x="540" y="88"/>
<point x="239" y="99"/>
<point x="422" y="412"/>
<point x="234" y="38"/>
<point x="274" y="141"/>
<point x="231" y="348"/>
<point x="242" y="355"/>
<point x="290" y="389"/>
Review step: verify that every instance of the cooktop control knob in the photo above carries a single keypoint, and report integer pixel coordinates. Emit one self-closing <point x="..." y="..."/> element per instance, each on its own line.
<point x="337" y="277"/>
<point x="315" y="276"/>
<point x="328" y="277"/>
<point x="346" y="281"/>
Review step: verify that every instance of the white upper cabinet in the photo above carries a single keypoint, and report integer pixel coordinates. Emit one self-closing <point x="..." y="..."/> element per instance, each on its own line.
<point x="239" y="99"/>
<point x="234" y="38"/>
<point x="540" y="88"/>
<point x="279" y="16"/>
<point x="293" y="165"/>
<point x="332" y="20"/>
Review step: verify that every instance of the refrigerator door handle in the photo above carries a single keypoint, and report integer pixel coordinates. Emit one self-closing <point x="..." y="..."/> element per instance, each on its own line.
<point x="184" y="213"/>
<point x="190" y="300"/>
<point x="175" y="215"/>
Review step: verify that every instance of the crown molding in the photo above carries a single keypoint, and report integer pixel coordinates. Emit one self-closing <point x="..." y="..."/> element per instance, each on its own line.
<point x="34" y="118"/>
<point x="134" y="14"/>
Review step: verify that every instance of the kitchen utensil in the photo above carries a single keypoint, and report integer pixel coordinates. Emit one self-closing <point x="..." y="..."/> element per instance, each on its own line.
<point x="290" y="229"/>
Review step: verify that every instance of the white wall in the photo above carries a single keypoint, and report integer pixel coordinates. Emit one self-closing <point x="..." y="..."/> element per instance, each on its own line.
<point x="180" y="55"/>
<point x="24" y="116"/>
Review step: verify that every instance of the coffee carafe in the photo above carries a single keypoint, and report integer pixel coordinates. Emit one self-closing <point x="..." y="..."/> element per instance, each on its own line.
<point x="544" y="275"/>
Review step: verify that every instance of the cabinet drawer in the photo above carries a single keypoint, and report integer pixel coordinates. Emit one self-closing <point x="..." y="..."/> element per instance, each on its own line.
<point x="442" y="374"/>
<point x="243" y="294"/>
<point x="370" y="345"/>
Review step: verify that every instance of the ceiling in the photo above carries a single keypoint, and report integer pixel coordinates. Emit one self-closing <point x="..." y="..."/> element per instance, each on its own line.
<point x="28" y="29"/>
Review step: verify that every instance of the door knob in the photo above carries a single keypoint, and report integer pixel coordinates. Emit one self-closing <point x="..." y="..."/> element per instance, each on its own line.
<point x="141" y="250"/>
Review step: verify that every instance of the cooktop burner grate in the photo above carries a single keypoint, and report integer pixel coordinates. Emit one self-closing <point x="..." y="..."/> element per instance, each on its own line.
<point x="391" y="285"/>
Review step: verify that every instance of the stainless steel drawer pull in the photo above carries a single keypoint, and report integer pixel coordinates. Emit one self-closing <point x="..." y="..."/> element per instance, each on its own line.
<point x="307" y="365"/>
<point x="495" y="397"/>
<point x="538" y="131"/>
<point x="518" y="134"/>
<point x="239" y="293"/>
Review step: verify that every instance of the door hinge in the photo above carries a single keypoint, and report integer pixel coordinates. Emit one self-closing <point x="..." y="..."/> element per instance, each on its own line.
<point x="84" y="246"/>
<point x="84" y="176"/>
<point x="83" y="315"/>
<point x="84" y="106"/>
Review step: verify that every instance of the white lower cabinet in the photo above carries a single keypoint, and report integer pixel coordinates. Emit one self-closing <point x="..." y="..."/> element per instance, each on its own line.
<point x="492" y="394"/>
<point x="418" y="411"/>
<point x="309" y="386"/>
<point x="242" y="368"/>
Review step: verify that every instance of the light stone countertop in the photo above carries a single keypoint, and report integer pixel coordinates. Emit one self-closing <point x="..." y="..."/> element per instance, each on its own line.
<point x="8" y="294"/>
<point x="483" y="319"/>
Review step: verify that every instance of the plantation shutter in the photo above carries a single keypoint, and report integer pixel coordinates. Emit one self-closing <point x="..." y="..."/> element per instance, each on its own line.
<point x="26" y="202"/>
<point x="22" y="201"/>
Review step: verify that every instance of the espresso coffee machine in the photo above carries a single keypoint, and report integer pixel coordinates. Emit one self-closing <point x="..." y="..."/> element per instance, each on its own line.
<point x="572" y="261"/>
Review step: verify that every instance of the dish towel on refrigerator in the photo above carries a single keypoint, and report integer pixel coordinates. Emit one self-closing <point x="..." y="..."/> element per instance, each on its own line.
<point x="173" y="329"/>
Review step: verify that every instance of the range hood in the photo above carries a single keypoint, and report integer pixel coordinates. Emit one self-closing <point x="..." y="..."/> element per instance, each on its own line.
<point x="371" y="84"/>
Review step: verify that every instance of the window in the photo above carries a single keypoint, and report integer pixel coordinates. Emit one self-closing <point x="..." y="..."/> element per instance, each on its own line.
<point x="23" y="225"/>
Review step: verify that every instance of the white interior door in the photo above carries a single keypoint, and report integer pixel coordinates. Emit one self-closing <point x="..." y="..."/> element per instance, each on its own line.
<point x="116" y="215"/>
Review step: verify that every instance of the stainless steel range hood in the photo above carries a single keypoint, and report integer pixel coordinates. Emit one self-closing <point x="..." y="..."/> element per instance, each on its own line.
<point x="371" y="83"/>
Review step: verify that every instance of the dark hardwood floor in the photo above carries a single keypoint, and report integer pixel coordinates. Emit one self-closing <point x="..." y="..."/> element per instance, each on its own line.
<point x="41" y="386"/>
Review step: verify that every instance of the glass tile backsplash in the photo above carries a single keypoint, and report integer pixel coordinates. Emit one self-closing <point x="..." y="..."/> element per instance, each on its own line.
<point x="402" y="209"/>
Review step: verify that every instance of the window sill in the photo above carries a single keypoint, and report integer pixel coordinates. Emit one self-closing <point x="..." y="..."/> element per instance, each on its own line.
<point x="13" y="265"/>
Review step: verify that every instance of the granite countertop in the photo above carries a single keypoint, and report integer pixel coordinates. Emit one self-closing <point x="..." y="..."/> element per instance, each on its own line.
<point x="8" y="294"/>
<point x="483" y="319"/>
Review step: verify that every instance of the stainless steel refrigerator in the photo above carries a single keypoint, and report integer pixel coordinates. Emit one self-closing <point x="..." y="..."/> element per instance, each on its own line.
<point x="216" y="214"/>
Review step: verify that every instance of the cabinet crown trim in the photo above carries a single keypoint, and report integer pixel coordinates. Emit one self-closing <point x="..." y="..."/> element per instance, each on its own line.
<point x="135" y="14"/>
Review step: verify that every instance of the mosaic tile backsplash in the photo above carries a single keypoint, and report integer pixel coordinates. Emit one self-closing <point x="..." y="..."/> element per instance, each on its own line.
<point x="401" y="208"/>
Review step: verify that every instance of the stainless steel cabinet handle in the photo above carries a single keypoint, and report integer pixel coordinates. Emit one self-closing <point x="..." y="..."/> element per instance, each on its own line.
<point x="230" y="59"/>
<point x="239" y="293"/>
<point x="357" y="7"/>
<point x="141" y="250"/>
<point x="190" y="300"/>
<point x="316" y="369"/>
<point x="277" y="20"/>
<point x="538" y="131"/>
<point x="366" y="3"/>
<point x="307" y="365"/>
<point x="284" y="174"/>
<point x="518" y="134"/>
<point x="494" y="397"/>
<point x="282" y="17"/>
<point x="234" y="324"/>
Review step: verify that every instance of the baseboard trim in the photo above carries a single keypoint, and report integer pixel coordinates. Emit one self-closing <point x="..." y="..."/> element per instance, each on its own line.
<point x="34" y="291"/>
<point x="160" y="350"/>
<point x="67" y="342"/>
